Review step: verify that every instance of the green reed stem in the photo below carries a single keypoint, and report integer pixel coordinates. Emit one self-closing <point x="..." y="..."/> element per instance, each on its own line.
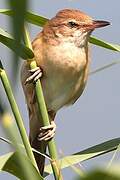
<point x="26" y="168"/>
<point x="44" y="113"/>
<point x="17" y="115"/>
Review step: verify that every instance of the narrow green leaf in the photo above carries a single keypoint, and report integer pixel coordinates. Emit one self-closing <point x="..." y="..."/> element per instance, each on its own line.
<point x="26" y="169"/>
<point x="40" y="21"/>
<point x="113" y="157"/>
<point x="81" y="156"/>
<point x="29" y="16"/>
<point x="17" y="115"/>
<point x="35" y="19"/>
<point x="9" y="163"/>
<point x="103" y="174"/>
<point x="104" y="67"/>
<point x="34" y="150"/>
<point x="8" y="41"/>
<point x="89" y="153"/>
<point x="104" y="44"/>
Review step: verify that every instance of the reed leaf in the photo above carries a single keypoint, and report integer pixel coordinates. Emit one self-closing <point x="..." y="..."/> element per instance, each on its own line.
<point x="17" y="115"/>
<point x="11" y="43"/>
<point x="9" y="163"/>
<point x="103" y="174"/>
<point x="104" y="44"/>
<point x="40" y="21"/>
<point x="29" y="17"/>
<point x="34" y="150"/>
<point x="104" y="67"/>
<point x="26" y="167"/>
<point x="87" y="154"/>
<point x="68" y="161"/>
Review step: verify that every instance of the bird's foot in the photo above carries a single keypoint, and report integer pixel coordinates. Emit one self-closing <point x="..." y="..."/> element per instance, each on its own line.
<point x="47" y="132"/>
<point x="36" y="74"/>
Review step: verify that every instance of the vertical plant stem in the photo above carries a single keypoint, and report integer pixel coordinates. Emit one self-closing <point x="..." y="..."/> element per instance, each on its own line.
<point x="44" y="113"/>
<point x="17" y="115"/>
<point x="28" y="171"/>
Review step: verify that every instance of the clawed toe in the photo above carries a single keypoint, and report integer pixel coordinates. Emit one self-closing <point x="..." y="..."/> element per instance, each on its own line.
<point x="36" y="74"/>
<point x="47" y="132"/>
<point x="49" y="135"/>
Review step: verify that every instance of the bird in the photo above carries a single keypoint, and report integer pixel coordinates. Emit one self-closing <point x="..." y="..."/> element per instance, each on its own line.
<point x="62" y="54"/>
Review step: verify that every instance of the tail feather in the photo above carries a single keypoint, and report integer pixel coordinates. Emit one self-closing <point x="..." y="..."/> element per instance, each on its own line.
<point x="35" y="143"/>
<point x="39" y="146"/>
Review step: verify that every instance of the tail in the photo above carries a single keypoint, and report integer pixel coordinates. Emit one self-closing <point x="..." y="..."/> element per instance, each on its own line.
<point x="39" y="146"/>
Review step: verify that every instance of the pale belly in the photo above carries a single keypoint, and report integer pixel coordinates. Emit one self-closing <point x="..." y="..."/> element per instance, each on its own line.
<point x="65" y="76"/>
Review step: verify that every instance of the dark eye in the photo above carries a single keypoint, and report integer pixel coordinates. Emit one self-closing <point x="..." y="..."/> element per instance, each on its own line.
<point x="72" y="24"/>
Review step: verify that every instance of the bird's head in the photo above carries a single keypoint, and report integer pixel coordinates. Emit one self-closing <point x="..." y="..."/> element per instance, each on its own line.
<point x="72" y="25"/>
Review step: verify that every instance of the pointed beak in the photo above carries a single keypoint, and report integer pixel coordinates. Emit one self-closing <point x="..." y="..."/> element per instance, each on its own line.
<point x="95" y="24"/>
<point x="99" y="24"/>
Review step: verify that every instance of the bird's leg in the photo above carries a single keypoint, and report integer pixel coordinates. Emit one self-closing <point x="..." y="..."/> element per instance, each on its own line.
<point x="36" y="74"/>
<point x="47" y="132"/>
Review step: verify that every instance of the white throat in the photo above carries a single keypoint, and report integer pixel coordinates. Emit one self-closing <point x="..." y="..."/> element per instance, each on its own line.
<point x="78" y="38"/>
